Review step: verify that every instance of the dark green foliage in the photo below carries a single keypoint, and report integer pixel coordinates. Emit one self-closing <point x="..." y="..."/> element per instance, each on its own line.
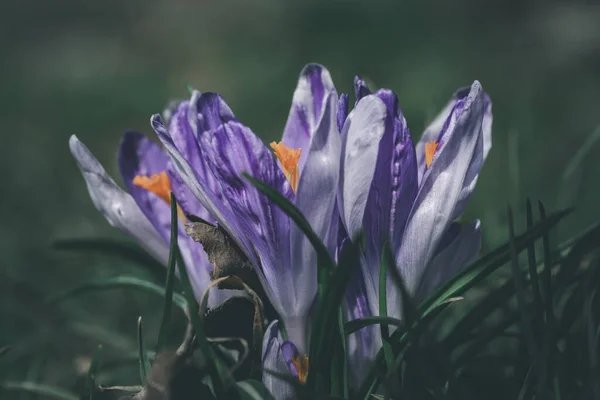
<point x="533" y="334"/>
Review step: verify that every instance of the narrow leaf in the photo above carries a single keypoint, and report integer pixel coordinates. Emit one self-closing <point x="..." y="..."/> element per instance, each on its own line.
<point x="41" y="389"/>
<point x="119" y="282"/>
<point x="143" y="357"/>
<point x="104" y="246"/>
<point x="166" y="317"/>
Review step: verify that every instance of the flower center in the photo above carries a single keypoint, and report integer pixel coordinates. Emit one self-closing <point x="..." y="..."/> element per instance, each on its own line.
<point x="289" y="162"/>
<point x="160" y="185"/>
<point x="301" y="364"/>
<point x="430" y="148"/>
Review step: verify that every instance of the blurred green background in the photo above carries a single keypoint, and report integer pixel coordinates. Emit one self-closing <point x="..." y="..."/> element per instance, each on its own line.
<point x="98" y="68"/>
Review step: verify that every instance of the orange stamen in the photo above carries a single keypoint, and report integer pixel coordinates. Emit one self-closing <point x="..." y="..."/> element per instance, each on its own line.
<point x="430" y="148"/>
<point x="289" y="162"/>
<point x="301" y="364"/>
<point x="160" y="185"/>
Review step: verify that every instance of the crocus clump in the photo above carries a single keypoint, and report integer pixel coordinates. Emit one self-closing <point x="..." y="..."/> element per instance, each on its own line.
<point x="346" y="170"/>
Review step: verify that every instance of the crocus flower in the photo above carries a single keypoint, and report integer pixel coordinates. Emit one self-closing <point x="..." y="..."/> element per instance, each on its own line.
<point x="143" y="211"/>
<point x="210" y="149"/>
<point x="410" y="200"/>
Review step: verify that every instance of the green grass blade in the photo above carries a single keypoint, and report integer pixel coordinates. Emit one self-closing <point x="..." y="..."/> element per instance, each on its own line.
<point x="548" y="336"/>
<point x="118" y="282"/>
<point x="487" y="264"/>
<point x="253" y="390"/>
<point x="166" y="317"/>
<point x="572" y="177"/>
<point x="122" y="249"/>
<point x="143" y="356"/>
<point x="357" y="324"/>
<point x="323" y="334"/>
<point x="547" y="272"/>
<point x="526" y="318"/>
<point x="339" y="370"/>
<point x="532" y="263"/>
<point x="48" y="391"/>
<point x="90" y="382"/>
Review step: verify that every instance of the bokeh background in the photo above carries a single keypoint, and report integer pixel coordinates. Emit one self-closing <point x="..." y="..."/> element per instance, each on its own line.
<point x="96" y="69"/>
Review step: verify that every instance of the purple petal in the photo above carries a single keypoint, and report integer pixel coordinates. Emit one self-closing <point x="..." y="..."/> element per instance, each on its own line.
<point x="140" y="156"/>
<point x="342" y="111"/>
<point x="186" y="124"/>
<point x="454" y="257"/>
<point x="315" y="198"/>
<point x="273" y="360"/>
<point x="214" y="203"/>
<point x="364" y="344"/>
<point x="231" y="150"/>
<point x="310" y="98"/>
<point x="394" y="186"/>
<point x="212" y="111"/>
<point x="117" y="206"/>
<point x="486" y="126"/>
<point x="360" y="89"/>
<point x="362" y="132"/>
<point x="432" y="132"/>
<point x="445" y="188"/>
<point x="289" y="351"/>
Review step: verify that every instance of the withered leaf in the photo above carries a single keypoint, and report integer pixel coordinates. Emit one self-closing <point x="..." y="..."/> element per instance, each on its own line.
<point x="223" y="253"/>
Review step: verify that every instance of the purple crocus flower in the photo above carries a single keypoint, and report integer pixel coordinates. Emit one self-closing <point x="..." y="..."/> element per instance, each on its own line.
<point x="143" y="211"/>
<point x="208" y="137"/>
<point x="410" y="199"/>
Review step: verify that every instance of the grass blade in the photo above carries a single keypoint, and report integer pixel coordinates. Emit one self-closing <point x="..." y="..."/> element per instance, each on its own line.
<point x="253" y="390"/>
<point x="90" y="382"/>
<point x="125" y="250"/>
<point x="40" y="389"/>
<point x="520" y="290"/>
<point x="143" y="357"/>
<point x="357" y="324"/>
<point x="533" y="263"/>
<point x="487" y="264"/>
<point x="166" y="317"/>
<point x="119" y="282"/>
<point x="324" y="330"/>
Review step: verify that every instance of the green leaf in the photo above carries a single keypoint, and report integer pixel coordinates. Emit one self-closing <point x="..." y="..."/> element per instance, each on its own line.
<point x="340" y="378"/>
<point x="323" y="336"/>
<point x="166" y="318"/>
<point x="476" y="272"/>
<point x="572" y="176"/>
<point x="91" y="375"/>
<point x="453" y="288"/>
<point x="357" y="324"/>
<point x="532" y="263"/>
<point x="526" y="318"/>
<point x="118" y="282"/>
<point x="253" y="390"/>
<point x="40" y="389"/>
<point x="143" y="356"/>
<point x="125" y="250"/>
